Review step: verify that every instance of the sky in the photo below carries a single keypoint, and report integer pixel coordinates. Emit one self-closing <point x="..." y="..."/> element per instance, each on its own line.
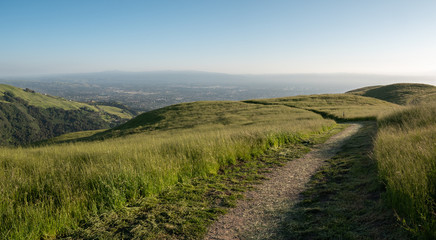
<point x="228" y="36"/>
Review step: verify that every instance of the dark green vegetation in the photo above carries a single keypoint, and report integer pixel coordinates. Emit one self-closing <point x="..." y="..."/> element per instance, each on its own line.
<point x="49" y="190"/>
<point x="168" y="173"/>
<point x="405" y="150"/>
<point x="27" y="116"/>
<point x="343" y="200"/>
<point x="402" y="93"/>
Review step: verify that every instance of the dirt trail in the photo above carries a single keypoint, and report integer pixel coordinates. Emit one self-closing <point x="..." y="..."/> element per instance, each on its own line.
<point x="255" y="217"/>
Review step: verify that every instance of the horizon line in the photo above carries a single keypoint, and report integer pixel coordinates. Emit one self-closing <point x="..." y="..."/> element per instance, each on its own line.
<point x="427" y="74"/>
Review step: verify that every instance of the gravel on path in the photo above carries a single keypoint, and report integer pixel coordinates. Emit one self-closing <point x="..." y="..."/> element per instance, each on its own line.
<point x="259" y="212"/>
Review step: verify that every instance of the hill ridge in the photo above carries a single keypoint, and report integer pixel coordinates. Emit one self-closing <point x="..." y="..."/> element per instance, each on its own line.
<point x="400" y="93"/>
<point x="27" y="116"/>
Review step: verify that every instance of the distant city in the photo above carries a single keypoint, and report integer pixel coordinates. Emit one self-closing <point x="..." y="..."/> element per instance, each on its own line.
<point x="144" y="91"/>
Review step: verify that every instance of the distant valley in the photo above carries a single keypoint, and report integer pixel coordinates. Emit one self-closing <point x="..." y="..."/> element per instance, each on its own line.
<point x="145" y="91"/>
<point x="170" y="172"/>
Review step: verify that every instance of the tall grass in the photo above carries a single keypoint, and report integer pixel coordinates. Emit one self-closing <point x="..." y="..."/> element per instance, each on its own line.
<point x="405" y="150"/>
<point x="50" y="189"/>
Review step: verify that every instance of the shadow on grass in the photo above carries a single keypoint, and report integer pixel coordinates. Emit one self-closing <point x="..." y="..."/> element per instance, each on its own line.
<point x="339" y="119"/>
<point x="185" y="211"/>
<point x="343" y="199"/>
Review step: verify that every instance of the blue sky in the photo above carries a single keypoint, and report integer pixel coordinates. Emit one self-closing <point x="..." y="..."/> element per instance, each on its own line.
<point x="235" y="36"/>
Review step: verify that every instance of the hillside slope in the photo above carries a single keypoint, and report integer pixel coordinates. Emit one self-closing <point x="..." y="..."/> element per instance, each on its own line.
<point x="341" y="107"/>
<point x="205" y="114"/>
<point x="401" y="93"/>
<point x="51" y="189"/>
<point x="405" y="151"/>
<point x="61" y="185"/>
<point x="27" y="116"/>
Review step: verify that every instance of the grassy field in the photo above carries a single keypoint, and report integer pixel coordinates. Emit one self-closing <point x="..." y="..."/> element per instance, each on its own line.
<point x="50" y="189"/>
<point x="186" y="209"/>
<point x="401" y="93"/>
<point x="342" y="200"/>
<point x="405" y="151"/>
<point x="206" y="115"/>
<point x="69" y="137"/>
<point x="202" y="116"/>
<point x="55" y="189"/>
<point x="115" y="111"/>
<point x="341" y="107"/>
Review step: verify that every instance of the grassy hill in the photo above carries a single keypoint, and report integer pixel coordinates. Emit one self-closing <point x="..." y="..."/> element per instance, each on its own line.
<point x="402" y="93"/>
<point x="233" y="114"/>
<point x="27" y="116"/>
<point x="341" y="107"/>
<point x="68" y="188"/>
<point x="41" y="100"/>
<point x="204" y="115"/>
<point x="69" y="182"/>
<point x="405" y="152"/>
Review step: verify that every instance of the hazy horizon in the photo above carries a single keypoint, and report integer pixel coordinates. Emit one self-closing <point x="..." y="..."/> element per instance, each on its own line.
<point x="234" y="37"/>
<point x="35" y="75"/>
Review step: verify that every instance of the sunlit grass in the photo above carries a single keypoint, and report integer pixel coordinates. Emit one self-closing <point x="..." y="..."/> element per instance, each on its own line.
<point x="400" y="93"/>
<point x="50" y="189"/>
<point x="115" y="111"/>
<point x="338" y="106"/>
<point x="44" y="101"/>
<point x="47" y="101"/>
<point x="405" y="150"/>
<point x="74" y="136"/>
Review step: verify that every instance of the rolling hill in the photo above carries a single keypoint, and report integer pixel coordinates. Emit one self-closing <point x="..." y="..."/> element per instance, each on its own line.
<point x="340" y="107"/>
<point x="401" y="93"/>
<point x="27" y="116"/>
<point x="146" y="91"/>
<point x="232" y="114"/>
<point x="91" y="189"/>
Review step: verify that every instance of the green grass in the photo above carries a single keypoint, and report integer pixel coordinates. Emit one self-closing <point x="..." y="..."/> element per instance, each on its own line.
<point x="47" y="101"/>
<point x="185" y="210"/>
<point x="342" y="200"/>
<point x="405" y="150"/>
<point x="402" y="93"/>
<point x="43" y="101"/>
<point x="49" y="190"/>
<point x="188" y="115"/>
<point x="115" y="111"/>
<point x="69" y="137"/>
<point x="163" y="169"/>
<point x="341" y="107"/>
<point x="206" y="115"/>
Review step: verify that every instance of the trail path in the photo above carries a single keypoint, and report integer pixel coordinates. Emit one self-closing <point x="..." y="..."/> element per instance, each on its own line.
<point x="255" y="217"/>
